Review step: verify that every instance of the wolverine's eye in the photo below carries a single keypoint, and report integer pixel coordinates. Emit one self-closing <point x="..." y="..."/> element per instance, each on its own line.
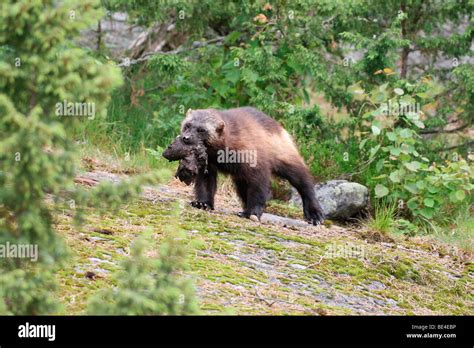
<point x="186" y="126"/>
<point x="201" y="130"/>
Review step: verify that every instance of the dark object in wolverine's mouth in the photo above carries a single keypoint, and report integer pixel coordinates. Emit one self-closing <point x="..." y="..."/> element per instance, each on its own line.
<point x="192" y="157"/>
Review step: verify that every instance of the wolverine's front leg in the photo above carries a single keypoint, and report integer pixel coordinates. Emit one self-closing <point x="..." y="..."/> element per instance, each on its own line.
<point x="205" y="189"/>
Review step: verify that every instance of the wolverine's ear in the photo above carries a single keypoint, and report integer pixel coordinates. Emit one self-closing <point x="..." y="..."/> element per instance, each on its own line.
<point x="189" y="112"/>
<point x="220" y="127"/>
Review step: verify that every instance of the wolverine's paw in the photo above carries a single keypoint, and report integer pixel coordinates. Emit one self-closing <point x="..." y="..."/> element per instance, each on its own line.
<point x="316" y="217"/>
<point x="243" y="214"/>
<point x="202" y="205"/>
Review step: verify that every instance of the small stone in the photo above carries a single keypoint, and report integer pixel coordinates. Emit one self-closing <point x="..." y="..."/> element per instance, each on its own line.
<point x="254" y="218"/>
<point x="282" y="221"/>
<point x="98" y="239"/>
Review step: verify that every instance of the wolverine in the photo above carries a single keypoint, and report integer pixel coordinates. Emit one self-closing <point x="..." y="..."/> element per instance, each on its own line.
<point x="266" y="145"/>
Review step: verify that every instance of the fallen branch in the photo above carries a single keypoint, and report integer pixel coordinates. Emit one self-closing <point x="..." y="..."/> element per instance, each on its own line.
<point x="441" y="130"/>
<point x="197" y="44"/>
<point x="468" y="143"/>
<point x="317" y="263"/>
<point x="261" y="298"/>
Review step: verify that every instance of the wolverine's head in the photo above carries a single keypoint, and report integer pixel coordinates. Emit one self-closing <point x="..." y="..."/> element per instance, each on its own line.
<point x="202" y="126"/>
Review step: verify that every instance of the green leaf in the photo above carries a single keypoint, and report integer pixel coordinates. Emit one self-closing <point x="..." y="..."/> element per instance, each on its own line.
<point x="375" y="130"/>
<point x="412" y="166"/>
<point x="411" y="187"/>
<point x="427" y="212"/>
<point x="412" y="204"/>
<point x="420" y="184"/>
<point x="233" y="76"/>
<point x="406" y="133"/>
<point x="452" y="197"/>
<point x="406" y="100"/>
<point x="357" y="91"/>
<point x="395" y="151"/>
<point x="232" y="37"/>
<point x="399" y="91"/>
<point x="362" y="143"/>
<point x="374" y="150"/>
<point x="391" y="136"/>
<point x="270" y="89"/>
<point x="367" y="115"/>
<point x="429" y="202"/>
<point x="229" y="65"/>
<point x="381" y="191"/>
<point x="378" y="97"/>
<point x="460" y="195"/>
<point x="395" y="176"/>
<point x="306" y="96"/>
<point x="379" y="165"/>
<point x="407" y="148"/>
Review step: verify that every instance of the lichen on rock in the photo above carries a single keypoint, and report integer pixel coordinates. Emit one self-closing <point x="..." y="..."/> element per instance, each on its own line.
<point x="339" y="199"/>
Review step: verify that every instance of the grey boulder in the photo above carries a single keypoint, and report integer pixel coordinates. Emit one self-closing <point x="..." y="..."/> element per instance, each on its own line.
<point x="339" y="199"/>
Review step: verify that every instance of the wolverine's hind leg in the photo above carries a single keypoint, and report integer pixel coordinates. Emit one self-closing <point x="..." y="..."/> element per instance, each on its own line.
<point x="254" y="192"/>
<point x="299" y="176"/>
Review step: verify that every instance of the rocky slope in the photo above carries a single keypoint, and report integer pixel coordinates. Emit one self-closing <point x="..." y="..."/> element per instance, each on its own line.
<point x="278" y="266"/>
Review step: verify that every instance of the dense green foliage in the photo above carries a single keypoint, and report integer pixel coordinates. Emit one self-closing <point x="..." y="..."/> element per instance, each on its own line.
<point x="404" y="170"/>
<point x="41" y="70"/>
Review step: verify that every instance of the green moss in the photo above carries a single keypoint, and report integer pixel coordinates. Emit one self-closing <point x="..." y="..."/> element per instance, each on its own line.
<point x="401" y="269"/>
<point x="223" y="249"/>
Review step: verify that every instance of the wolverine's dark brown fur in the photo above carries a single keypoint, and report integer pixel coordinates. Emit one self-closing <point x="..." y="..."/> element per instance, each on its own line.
<point x="249" y="131"/>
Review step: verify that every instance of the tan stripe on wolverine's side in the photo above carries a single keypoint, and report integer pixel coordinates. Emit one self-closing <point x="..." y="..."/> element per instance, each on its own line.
<point x="274" y="146"/>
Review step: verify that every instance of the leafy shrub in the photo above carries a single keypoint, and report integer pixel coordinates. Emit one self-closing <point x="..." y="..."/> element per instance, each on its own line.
<point x="38" y="70"/>
<point x="405" y="173"/>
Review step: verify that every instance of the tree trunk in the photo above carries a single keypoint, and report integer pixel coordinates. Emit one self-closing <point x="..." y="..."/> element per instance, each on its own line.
<point x="99" y="36"/>
<point x="406" y="50"/>
<point x="404" y="64"/>
<point x="160" y="37"/>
